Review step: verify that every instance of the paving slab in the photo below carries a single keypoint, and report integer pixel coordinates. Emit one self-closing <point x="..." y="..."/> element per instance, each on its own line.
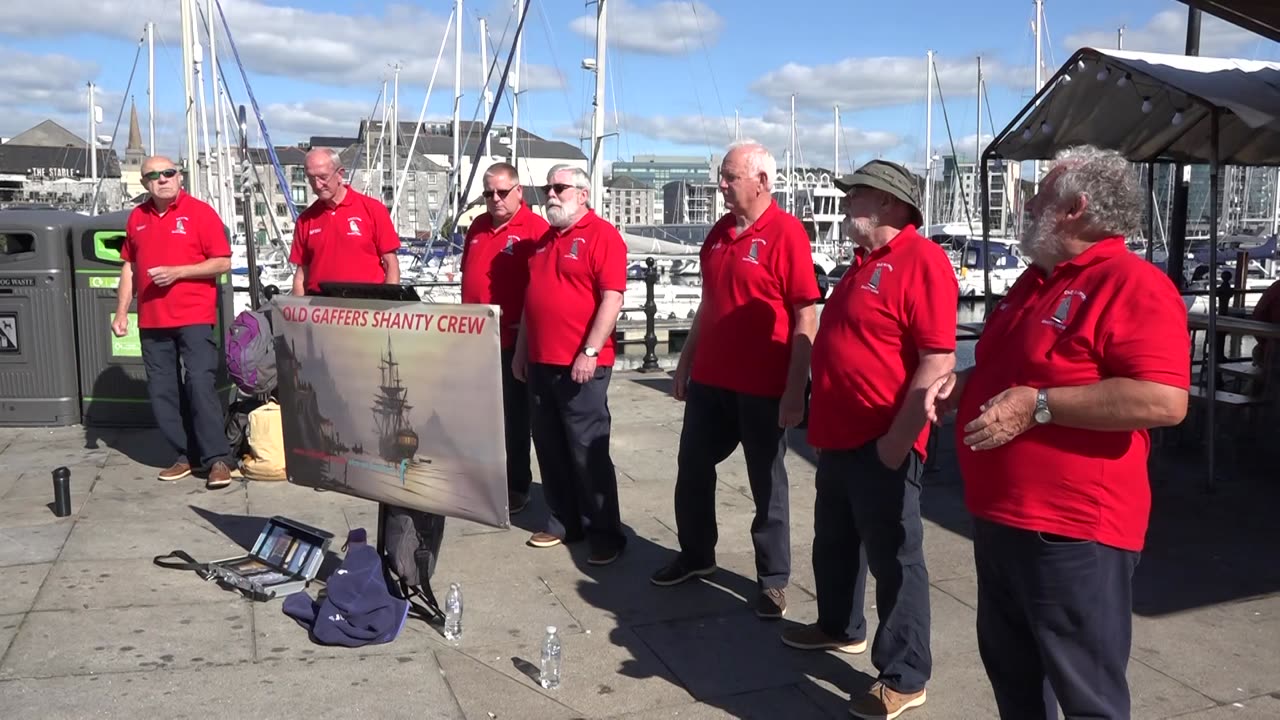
<point x="410" y="688"/>
<point x="1263" y="707"/>
<point x="134" y="582"/>
<point x="8" y="629"/>
<point x="115" y="539"/>
<point x="21" y="583"/>
<point x="81" y="642"/>
<point x="33" y="543"/>
<point x="602" y="673"/>
<point x="486" y="694"/>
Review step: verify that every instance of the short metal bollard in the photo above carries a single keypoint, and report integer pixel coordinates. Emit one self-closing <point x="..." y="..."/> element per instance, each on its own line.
<point x="650" y="314"/>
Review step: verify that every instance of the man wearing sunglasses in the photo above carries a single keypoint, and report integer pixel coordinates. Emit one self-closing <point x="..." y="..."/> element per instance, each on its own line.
<point x="175" y="247"/>
<point x="495" y="271"/>
<point x="345" y="236"/>
<point x="565" y="346"/>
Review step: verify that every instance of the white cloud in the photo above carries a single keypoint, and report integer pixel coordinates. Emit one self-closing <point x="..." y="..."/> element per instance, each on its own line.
<point x="55" y="82"/>
<point x="288" y="122"/>
<point x="1166" y="32"/>
<point x="664" y="28"/>
<point x="869" y="82"/>
<point x="710" y="135"/>
<point x="291" y="42"/>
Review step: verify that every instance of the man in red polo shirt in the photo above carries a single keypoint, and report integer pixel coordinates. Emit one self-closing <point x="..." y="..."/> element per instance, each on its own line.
<point x="495" y="271"/>
<point x="344" y="236"/>
<point x="888" y="332"/>
<point x="565" y="348"/>
<point x="175" y="248"/>
<point x="1088" y="350"/>
<point x="758" y="295"/>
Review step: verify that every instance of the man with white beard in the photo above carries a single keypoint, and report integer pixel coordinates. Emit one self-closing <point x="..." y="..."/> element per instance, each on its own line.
<point x="565" y="349"/>
<point x="887" y="334"/>
<point x="1088" y="350"/>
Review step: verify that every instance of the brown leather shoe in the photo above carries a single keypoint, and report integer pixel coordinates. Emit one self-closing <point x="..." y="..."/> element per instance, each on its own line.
<point x="176" y="471"/>
<point x="884" y="703"/>
<point x="811" y="637"/>
<point x="771" y="603"/>
<point x="219" y="476"/>
<point x="544" y="540"/>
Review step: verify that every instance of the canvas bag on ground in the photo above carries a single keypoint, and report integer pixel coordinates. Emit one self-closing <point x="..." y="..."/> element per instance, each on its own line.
<point x="410" y="541"/>
<point x="266" y="457"/>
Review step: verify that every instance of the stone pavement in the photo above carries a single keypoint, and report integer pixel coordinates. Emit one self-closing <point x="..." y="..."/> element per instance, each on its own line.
<point x="89" y="627"/>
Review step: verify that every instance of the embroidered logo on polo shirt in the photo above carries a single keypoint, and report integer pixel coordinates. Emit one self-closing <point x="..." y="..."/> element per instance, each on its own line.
<point x="353" y="226"/>
<point x="140" y="228"/>
<point x="1063" y="311"/>
<point x="314" y="231"/>
<point x="510" y="249"/>
<point x="873" y="284"/>
<point x="753" y="255"/>
<point x="179" y="228"/>
<point x="573" y="249"/>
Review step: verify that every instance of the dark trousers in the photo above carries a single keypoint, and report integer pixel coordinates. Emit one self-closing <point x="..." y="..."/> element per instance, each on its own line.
<point x="187" y="408"/>
<point x="1054" y="623"/>
<point x="716" y="421"/>
<point x="571" y="424"/>
<point x="868" y="516"/>
<point x="515" y="414"/>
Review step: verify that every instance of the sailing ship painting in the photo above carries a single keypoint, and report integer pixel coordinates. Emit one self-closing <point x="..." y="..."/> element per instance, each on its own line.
<point x="394" y="414"/>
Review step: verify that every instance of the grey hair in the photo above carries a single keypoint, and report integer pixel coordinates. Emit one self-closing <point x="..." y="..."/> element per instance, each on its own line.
<point x="1109" y="183"/>
<point x="581" y="180"/>
<point x="759" y="159"/>
<point x="330" y="153"/>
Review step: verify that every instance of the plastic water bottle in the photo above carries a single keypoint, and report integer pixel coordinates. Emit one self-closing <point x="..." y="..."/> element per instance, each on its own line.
<point x="453" y="613"/>
<point x="550" y="678"/>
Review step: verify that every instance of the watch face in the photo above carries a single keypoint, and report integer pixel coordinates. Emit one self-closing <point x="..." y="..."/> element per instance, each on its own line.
<point x="1042" y="415"/>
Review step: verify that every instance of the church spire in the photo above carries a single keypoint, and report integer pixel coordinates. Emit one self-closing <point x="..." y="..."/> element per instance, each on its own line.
<point x="135" y="132"/>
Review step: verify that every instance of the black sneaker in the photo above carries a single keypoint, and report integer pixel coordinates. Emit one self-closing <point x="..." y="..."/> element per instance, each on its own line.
<point x="771" y="603"/>
<point x="603" y="556"/>
<point x="678" y="571"/>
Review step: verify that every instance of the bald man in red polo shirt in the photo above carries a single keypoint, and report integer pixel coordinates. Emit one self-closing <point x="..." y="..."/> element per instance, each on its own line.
<point x="175" y="248"/>
<point x="495" y="270"/>
<point x="742" y="374"/>
<point x="345" y="236"/>
<point x="1088" y="351"/>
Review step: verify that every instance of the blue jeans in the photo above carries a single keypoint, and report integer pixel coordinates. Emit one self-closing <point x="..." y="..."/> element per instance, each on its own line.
<point x="867" y="517"/>
<point x="187" y="409"/>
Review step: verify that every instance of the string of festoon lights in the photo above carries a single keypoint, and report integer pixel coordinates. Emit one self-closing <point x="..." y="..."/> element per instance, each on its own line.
<point x="1103" y="75"/>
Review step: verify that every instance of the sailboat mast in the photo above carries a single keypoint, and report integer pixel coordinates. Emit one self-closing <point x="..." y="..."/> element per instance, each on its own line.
<point x="395" y="124"/>
<point x="737" y="126"/>
<point x="928" y="142"/>
<point x="1039" y="26"/>
<point x="151" y="88"/>
<point x="977" y="140"/>
<point x="189" y="99"/>
<point x="515" y="89"/>
<point x="218" y="112"/>
<point x="484" y="79"/>
<point x="835" y="164"/>
<point x="791" y="160"/>
<point x="597" y="117"/>
<point x="93" y="139"/>
<point x="455" y="200"/>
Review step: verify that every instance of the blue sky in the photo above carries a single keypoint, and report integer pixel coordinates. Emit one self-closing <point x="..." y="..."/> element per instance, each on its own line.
<point x="677" y="70"/>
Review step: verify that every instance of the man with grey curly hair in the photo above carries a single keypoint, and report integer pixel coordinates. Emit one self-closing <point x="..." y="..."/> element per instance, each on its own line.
<point x="1087" y="352"/>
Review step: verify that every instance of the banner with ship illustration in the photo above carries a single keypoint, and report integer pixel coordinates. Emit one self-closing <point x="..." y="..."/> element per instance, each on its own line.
<point x="395" y="402"/>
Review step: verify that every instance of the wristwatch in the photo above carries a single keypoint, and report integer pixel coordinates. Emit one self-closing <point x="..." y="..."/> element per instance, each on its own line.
<point x="590" y="351"/>
<point x="1042" y="415"/>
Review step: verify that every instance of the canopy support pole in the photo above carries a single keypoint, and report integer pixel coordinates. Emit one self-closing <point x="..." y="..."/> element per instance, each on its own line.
<point x="1215" y="184"/>
<point x="983" y="179"/>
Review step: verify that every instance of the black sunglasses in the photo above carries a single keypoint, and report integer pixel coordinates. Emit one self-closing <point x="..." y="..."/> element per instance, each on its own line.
<point x="502" y="194"/>
<point x="157" y="174"/>
<point x="557" y="188"/>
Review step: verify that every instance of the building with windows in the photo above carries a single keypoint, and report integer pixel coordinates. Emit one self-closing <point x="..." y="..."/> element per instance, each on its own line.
<point x="627" y="201"/>
<point x="657" y="171"/>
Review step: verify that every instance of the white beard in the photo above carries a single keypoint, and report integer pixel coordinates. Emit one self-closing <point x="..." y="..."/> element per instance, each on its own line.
<point x="1039" y="241"/>
<point x="560" y="216"/>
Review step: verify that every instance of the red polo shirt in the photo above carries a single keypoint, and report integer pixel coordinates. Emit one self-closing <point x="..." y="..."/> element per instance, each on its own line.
<point x="890" y="306"/>
<point x="344" y="243"/>
<point x="187" y="233"/>
<point x="751" y="282"/>
<point x="568" y="272"/>
<point x="495" y="265"/>
<point x="1107" y="313"/>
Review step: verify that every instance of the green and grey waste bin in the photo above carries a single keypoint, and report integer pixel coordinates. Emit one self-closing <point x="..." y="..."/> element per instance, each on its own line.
<point x="38" y="382"/>
<point x="113" y="381"/>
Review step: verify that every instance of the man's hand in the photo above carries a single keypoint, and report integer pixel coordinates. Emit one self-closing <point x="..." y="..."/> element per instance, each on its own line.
<point x="120" y="325"/>
<point x="891" y="452"/>
<point x="943" y="397"/>
<point x="583" y="368"/>
<point x="1004" y="417"/>
<point x="520" y="366"/>
<point x="791" y="408"/>
<point x="166" y="275"/>
<point x="680" y="385"/>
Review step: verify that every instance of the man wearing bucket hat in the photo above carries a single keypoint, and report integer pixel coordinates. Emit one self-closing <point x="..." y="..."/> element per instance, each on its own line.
<point x="886" y="334"/>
